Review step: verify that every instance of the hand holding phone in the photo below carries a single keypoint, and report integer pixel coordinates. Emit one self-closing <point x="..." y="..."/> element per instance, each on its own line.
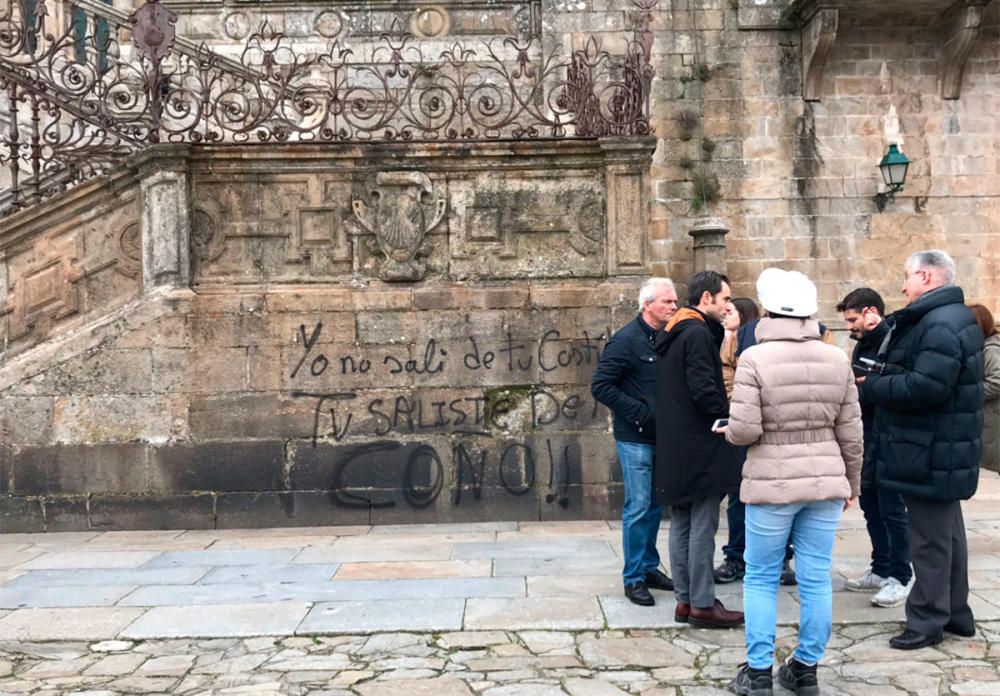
<point x="864" y="366"/>
<point x="719" y="424"/>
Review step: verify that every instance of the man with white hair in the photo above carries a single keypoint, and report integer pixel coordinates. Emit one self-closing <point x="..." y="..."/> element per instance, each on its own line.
<point x="625" y="382"/>
<point x="927" y="387"/>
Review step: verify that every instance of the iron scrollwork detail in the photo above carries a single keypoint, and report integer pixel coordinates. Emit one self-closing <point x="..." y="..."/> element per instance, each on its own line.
<point x="80" y="97"/>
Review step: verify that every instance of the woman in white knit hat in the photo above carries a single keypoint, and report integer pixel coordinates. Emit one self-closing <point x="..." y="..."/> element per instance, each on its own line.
<point x="796" y="406"/>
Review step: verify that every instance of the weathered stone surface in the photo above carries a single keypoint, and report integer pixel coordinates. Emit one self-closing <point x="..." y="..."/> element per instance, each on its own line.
<point x="68" y="469"/>
<point x="631" y="652"/>
<point x="152" y="512"/>
<point x="444" y="686"/>
<point x="217" y="466"/>
<point x="21" y="515"/>
<point x="66" y="624"/>
<point x="286" y="508"/>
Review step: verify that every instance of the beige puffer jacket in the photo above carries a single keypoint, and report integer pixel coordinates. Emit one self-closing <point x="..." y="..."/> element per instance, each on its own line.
<point x="795" y="404"/>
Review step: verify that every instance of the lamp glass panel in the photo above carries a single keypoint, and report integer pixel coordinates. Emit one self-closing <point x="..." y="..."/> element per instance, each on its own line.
<point x="896" y="174"/>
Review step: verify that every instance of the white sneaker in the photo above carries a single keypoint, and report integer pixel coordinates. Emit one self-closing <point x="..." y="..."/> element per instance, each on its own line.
<point x="892" y="594"/>
<point x="869" y="582"/>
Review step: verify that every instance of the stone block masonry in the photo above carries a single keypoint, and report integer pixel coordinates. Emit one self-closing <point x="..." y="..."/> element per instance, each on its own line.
<point x="454" y="415"/>
<point x="301" y="353"/>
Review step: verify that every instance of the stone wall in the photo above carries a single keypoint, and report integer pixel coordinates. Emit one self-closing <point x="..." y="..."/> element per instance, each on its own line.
<point x="304" y="370"/>
<point x="796" y="178"/>
<point x="68" y="263"/>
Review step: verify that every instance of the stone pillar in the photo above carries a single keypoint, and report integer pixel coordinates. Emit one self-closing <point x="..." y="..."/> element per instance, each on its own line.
<point x="709" y="245"/>
<point x="626" y="172"/>
<point x="165" y="227"/>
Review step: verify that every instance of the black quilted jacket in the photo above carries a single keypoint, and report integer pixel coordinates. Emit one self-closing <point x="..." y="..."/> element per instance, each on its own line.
<point x="929" y="402"/>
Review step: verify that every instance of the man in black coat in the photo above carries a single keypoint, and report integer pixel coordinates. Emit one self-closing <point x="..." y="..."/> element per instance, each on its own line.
<point x="927" y="440"/>
<point x="625" y="382"/>
<point x="695" y="467"/>
<point x="885" y="514"/>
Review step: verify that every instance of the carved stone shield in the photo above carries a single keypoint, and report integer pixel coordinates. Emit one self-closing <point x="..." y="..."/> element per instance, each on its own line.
<point x="402" y="202"/>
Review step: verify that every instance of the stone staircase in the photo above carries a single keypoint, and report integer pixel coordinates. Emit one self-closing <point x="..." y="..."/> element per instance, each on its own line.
<point x="288" y="288"/>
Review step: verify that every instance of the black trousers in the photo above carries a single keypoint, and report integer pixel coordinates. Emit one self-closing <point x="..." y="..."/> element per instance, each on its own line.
<point x="940" y="593"/>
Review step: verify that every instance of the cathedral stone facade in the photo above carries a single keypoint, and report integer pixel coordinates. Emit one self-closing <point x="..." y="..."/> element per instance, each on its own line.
<point x="353" y="262"/>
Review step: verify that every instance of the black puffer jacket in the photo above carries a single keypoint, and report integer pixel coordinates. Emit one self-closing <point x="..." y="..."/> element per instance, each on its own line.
<point x="929" y="404"/>
<point x="692" y="462"/>
<point x="867" y="347"/>
<point x="625" y="382"/>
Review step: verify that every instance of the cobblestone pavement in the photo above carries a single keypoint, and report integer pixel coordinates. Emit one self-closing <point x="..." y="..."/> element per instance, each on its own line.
<point x="502" y="609"/>
<point x="493" y="663"/>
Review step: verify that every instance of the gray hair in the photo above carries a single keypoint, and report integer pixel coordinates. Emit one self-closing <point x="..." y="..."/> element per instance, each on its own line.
<point x="933" y="259"/>
<point x="647" y="293"/>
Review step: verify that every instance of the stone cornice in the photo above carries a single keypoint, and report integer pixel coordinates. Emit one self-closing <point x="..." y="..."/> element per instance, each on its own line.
<point x="959" y="22"/>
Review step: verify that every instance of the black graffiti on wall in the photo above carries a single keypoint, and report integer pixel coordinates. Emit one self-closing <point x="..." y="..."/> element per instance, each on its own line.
<point x="371" y="474"/>
<point x="550" y="353"/>
<point x="337" y="414"/>
<point x="495" y="438"/>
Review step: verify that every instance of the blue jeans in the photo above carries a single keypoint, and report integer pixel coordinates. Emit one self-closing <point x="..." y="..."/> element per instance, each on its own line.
<point x="737" y="543"/>
<point x="885" y="516"/>
<point x="640" y="516"/>
<point x="812" y="526"/>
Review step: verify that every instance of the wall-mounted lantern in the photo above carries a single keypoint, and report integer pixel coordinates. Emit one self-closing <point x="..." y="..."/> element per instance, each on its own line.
<point x="893" y="167"/>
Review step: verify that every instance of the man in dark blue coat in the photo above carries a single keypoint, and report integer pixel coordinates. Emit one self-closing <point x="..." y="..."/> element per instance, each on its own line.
<point x="927" y="440"/>
<point x="625" y="382"/>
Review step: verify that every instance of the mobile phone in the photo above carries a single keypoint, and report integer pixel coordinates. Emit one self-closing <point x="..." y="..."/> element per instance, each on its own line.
<point x="865" y="366"/>
<point x="720" y="423"/>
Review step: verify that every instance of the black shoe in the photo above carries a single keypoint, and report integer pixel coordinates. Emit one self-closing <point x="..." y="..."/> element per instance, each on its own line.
<point x="752" y="682"/>
<point x="913" y="640"/>
<point x="731" y="570"/>
<point x="659" y="580"/>
<point x="638" y="593"/>
<point x="958" y="630"/>
<point x="800" y="678"/>
<point x="788" y="575"/>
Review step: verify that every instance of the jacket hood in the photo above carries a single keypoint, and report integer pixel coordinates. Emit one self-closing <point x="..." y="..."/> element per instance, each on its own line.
<point x="685" y="318"/>
<point x="684" y="314"/>
<point x="993" y="340"/>
<point x="787" y="329"/>
<point x="939" y="297"/>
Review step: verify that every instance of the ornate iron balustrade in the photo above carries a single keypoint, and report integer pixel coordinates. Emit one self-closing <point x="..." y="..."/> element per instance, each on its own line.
<point x="84" y="88"/>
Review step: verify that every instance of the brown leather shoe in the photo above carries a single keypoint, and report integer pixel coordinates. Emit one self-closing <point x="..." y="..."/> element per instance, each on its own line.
<point x="715" y="617"/>
<point x="682" y="612"/>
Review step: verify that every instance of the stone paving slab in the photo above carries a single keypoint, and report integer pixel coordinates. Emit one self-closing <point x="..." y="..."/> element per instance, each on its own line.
<point x="222" y="621"/>
<point x="390" y="615"/>
<point x="329" y="531"/>
<point x="57" y="560"/>
<point x="375" y="553"/>
<point x="575" y="614"/>
<point x="414" y="569"/>
<point x="230" y="557"/>
<point x="66" y="624"/>
<point x="297" y="572"/>
<point x="17" y="555"/>
<point x="446" y="528"/>
<point x="562" y="585"/>
<point x="98" y="577"/>
<point x="426" y="538"/>
<point x="348" y="590"/>
<point x="47" y="539"/>
<point x="46" y="597"/>
<point x="557" y="566"/>
<point x="563" y="548"/>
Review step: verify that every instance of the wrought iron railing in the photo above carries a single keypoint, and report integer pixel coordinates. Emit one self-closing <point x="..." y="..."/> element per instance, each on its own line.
<point x="84" y="87"/>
